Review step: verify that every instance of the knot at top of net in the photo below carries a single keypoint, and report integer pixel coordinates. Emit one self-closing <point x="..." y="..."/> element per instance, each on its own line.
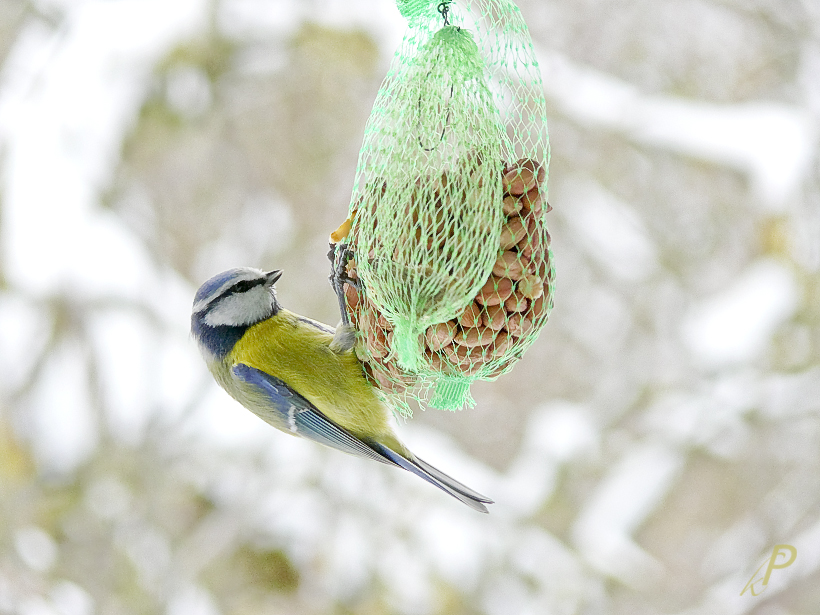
<point x="414" y="10"/>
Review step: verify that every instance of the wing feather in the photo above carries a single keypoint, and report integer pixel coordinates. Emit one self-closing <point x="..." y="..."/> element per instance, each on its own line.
<point x="302" y="417"/>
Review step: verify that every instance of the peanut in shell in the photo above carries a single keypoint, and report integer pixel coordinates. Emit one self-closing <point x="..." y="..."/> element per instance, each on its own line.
<point x="376" y="342"/>
<point x="387" y="381"/>
<point x="473" y="336"/>
<point x="509" y="265"/>
<point x="500" y="345"/>
<point x="531" y="286"/>
<point x="516" y="302"/>
<point x="512" y="232"/>
<point x="381" y="321"/>
<point x="495" y="291"/>
<point x="494" y="317"/>
<point x="537" y="308"/>
<point x="471" y="317"/>
<point x="351" y="298"/>
<point x="469" y="361"/>
<point x="517" y="181"/>
<point x="440" y="335"/>
<point x="511" y="205"/>
<point x="531" y="200"/>
<point x="518" y="325"/>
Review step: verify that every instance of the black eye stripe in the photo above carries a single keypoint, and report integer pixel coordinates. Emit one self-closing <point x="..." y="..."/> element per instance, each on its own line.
<point x="244" y="285"/>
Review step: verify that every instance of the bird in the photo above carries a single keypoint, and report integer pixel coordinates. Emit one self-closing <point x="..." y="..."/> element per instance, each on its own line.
<point x="300" y="375"/>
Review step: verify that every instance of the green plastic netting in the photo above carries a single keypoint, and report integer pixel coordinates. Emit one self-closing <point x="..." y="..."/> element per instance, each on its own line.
<point x="448" y="233"/>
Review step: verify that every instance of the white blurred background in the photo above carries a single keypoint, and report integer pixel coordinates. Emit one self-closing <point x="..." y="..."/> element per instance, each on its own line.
<point x="646" y="455"/>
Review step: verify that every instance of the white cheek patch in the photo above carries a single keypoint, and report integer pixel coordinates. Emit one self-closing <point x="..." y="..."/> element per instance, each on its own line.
<point x="242" y="308"/>
<point x="247" y="274"/>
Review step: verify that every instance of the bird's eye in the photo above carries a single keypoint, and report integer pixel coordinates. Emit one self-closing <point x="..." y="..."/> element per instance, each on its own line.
<point x="244" y="285"/>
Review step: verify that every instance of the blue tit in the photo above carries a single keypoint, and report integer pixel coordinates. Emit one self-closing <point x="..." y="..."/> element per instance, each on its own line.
<point x="299" y="375"/>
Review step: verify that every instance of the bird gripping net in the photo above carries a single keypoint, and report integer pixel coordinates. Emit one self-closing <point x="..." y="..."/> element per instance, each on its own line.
<point x="447" y="218"/>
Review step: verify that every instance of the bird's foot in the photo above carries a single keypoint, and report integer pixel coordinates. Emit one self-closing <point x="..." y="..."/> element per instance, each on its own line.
<point x="339" y="256"/>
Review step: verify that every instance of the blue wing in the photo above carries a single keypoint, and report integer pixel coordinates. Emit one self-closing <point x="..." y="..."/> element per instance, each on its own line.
<point x="302" y="417"/>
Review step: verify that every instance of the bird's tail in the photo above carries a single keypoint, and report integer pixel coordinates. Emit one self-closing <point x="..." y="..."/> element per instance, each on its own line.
<point x="434" y="476"/>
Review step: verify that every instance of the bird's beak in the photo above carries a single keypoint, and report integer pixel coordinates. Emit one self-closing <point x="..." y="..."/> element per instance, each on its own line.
<point x="272" y="276"/>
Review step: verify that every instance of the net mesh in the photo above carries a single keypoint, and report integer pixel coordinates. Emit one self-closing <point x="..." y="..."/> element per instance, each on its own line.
<point x="448" y="230"/>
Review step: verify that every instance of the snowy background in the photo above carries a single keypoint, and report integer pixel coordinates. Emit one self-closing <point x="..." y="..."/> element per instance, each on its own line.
<point x="647" y="454"/>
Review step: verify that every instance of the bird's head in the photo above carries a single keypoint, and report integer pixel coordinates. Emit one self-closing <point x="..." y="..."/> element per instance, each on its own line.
<point x="230" y="302"/>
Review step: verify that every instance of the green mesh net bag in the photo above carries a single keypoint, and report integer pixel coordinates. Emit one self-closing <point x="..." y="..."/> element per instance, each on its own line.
<point x="447" y="218"/>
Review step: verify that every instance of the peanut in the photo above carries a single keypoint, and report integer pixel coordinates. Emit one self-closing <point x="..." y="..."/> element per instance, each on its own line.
<point x="468" y="360"/>
<point x="537" y="308"/>
<point x="382" y="321"/>
<point x="512" y="232"/>
<point x="350" y="269"/>
<point x="495" y="291"/>
<point x="494" y="317"/>
<point x="525" y="247"/>
<point x="531" y="286"/>
<point x="519" y="325"/>
<point x="440" y="335"/>
<point x="531" y="244"/>
<point x="540" y="267"/>
<point x="501" y="344"/>
<point x="471" y="317"/>
<point x="511" y="205"/>
<point x="500" y="366"/>
<point x="516" y="302"/>
<point x="376" y="343"/>
<point x="437" y="364"/>
<point x="522" y="177"/>
<point x="351" y="298"/>
<point x="539" y="170"/>
<point x="508" y="265"/>
<point x="387" y="382"/>
<point x="531" y="200"/>
<point x="473" y="337"/>
<point x="515" y="184"/>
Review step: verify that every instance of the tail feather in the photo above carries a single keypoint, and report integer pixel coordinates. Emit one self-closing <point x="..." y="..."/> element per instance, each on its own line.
<point x="453" y="483"/>
<point x="436" y="477"/>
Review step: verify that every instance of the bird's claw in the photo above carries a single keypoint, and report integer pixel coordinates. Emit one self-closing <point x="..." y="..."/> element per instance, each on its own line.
<point x="339" y="255"/>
